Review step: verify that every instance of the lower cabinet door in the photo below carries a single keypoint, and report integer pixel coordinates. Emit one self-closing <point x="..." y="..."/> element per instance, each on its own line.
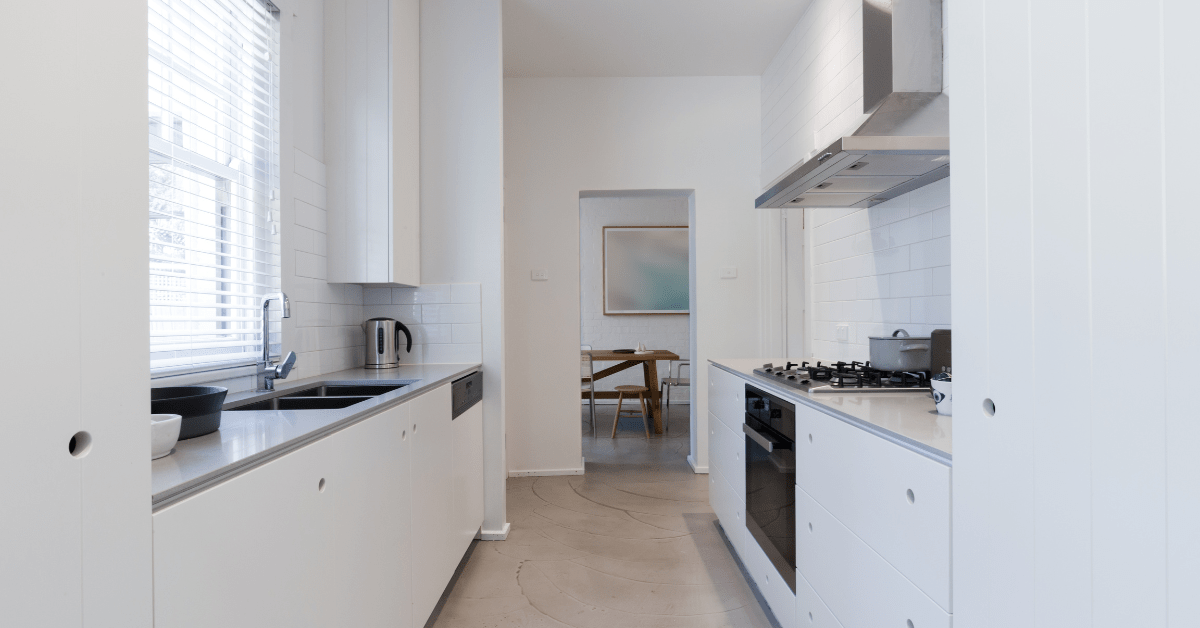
<point x="810" y="610"/>
<point x="318" y="537"/>
<point x="774" y="588"/>
<point x="434" y="548"/>
<point x="730" y="511"/>
<point x="858" y="586"/>
<point x="468" y="476"/>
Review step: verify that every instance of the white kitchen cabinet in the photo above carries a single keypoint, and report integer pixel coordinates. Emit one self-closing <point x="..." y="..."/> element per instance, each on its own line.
<point x="372" y="140"/>
<point x="730" y="511"/>
<point x="893" y="499"/>
<point x="774" y="589"/>
<point x="810" y="610"/>
<point x="727" y="397"/>
<point x="860" y="588"/>
<point x="727" y="451"/>
<point x="318" y="537"/>
<point x="435" y="552"/>
<point x="468" y="476"/>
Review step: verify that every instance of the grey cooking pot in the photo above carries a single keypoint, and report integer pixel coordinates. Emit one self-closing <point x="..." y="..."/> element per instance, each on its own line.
<point x="900" y="352"/>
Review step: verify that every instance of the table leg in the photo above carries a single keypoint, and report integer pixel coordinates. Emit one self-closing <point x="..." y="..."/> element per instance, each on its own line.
<point x="651" y="371"/>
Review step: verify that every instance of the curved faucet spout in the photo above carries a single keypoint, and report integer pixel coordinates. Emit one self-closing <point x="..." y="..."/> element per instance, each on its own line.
<point x="266" y="306"/>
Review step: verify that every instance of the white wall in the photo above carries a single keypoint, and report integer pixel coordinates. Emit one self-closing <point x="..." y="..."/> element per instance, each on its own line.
<point x="75" y="547"/>
<point x="1073" y="134"/>
<point x="812" y="89"/>
<point x="566" y="135"/>
<point x="657" y="331"/>
<point x="879" y="269"/>
<point x="462" y="198"/>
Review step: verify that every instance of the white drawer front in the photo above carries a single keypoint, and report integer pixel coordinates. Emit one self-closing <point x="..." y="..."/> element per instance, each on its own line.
<point x="726" y="450"/>
<point x="727" y="397"/>
<point x="860" y="588"/>
<point x="811" y="612"/>
<point x="730" y="511"/>
<point x="894" y="500"/>
<point x="774" y="588"/>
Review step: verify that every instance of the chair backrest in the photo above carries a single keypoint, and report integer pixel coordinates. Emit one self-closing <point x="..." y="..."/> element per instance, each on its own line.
<point x="585" y="364"/>
<point x="680" y="365"/>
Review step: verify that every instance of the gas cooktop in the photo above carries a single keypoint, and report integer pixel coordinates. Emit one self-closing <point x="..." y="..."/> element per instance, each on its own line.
<point x="843" y="377"/>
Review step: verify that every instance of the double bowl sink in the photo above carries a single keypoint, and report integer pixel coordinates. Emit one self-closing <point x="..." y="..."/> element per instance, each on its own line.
<point x="327" y="396"/>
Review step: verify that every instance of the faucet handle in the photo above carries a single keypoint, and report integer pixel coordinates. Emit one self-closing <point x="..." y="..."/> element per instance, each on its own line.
<point x="285" y="367"/>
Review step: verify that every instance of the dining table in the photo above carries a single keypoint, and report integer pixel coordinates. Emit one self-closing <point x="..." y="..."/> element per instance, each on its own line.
<point x="648" y="360"/>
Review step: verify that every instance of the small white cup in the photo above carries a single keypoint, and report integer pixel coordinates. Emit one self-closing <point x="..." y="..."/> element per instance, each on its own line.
<point x="943" y="395"/>
<point x="164" y="433"/>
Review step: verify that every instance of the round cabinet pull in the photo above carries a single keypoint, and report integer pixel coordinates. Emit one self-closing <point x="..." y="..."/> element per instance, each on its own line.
<point x="989" y="407"/>
<point x="321" y="486"/>
<point x="810" y="438"/>
<point x="810" y="618"/>
<point x="910" y="624"/>
<point x="80" y="444"/>
<point x="912" y="497"/>
<point x="810" y="526"/>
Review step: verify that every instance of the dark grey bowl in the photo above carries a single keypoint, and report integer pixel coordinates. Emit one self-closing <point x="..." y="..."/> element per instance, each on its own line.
<point x="200" y="407"/>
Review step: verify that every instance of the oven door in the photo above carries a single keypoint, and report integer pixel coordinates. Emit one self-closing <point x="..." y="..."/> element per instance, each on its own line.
<point x="771" y="495"/>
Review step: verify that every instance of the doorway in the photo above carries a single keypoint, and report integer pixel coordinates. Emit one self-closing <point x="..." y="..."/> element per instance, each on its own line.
<point x="630" y="297"/>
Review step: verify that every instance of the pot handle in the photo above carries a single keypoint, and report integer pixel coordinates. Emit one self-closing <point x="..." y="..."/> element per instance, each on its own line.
<point x="915" y="348"/>
<point x="899" y="333"/>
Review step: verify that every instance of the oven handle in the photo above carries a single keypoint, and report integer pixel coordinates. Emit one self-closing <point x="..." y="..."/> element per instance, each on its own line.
<point x="757" y="437"/>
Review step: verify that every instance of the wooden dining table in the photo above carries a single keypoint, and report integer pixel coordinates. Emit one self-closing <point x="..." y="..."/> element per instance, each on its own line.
<point x="649" y="362"/>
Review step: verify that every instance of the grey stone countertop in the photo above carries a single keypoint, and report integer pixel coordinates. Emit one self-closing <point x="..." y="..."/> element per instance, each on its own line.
<point x="907" y="419"/>
<point x="250" y="438"/>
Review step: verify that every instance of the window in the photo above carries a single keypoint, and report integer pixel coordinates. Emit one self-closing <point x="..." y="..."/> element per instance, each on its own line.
<point x="214" y="180"/>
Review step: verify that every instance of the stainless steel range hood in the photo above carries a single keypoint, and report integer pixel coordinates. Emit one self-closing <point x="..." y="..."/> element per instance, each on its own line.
<point x="905" y="142"/>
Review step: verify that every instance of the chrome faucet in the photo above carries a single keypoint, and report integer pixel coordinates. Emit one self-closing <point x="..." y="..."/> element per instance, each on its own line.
<point x="268" y="372"/>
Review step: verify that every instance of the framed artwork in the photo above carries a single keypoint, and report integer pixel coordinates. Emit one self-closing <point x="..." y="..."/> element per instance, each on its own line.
<point x="645" y="270"/>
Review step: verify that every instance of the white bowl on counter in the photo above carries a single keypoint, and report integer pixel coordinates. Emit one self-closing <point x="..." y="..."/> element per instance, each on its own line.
<point x="164" y="433"/>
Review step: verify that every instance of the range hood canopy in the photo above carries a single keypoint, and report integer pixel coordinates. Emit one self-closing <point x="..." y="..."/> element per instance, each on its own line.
<point x="905" y="142"/>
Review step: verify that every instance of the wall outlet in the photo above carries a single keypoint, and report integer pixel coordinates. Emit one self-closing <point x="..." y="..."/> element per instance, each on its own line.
<point x="728" y="272"/>
<point x="540" y="275"/>
<point x="843" y="333"/>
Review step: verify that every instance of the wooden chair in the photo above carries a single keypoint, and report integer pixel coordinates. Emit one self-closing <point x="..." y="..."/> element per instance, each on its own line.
<point x="587" y="377"/>
<point x="667" y="382"/>
<point x="631" y="390"/>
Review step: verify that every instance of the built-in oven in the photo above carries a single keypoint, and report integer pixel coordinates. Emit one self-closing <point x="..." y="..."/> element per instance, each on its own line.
<point x="770" y="430"/>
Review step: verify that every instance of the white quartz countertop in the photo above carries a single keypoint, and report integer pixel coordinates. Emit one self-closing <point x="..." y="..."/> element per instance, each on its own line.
<point x="908" y="419"/>
<point x="250" y="438"/>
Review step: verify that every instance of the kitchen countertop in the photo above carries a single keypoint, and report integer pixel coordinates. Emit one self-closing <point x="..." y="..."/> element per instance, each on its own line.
<point x="248" y="439"/>
<point x="907" y="419"/>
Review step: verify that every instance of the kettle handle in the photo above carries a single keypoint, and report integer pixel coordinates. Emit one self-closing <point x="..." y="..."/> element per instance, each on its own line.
<point x="401" y="328"/>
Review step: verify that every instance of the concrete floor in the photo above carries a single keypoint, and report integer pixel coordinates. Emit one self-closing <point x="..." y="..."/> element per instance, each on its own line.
<point x="633" y="543"/>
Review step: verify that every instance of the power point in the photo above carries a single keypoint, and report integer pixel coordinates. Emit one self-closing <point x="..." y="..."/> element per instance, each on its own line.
<point x="728" y="272"/>
<point x="540" y="275"/>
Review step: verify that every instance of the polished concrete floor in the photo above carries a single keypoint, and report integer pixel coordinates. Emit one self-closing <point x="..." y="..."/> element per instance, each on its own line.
<point x="633" y="543"/>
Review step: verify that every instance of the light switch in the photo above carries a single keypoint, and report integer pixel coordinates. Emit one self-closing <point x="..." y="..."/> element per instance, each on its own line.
<point x="540" y="275"/>
<point x="728" y="272"/>
<point x="843" y="332"/>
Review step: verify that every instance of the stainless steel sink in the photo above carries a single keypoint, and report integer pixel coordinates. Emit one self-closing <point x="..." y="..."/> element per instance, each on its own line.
<point x="300" y="403"/>
<point x="345" y="390"/>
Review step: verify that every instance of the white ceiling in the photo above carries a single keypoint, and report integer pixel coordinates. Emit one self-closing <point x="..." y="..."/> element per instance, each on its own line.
<point x="645" y="37"/>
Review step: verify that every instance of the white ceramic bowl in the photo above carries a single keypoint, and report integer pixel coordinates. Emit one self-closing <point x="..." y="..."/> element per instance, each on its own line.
<point x="164" y="433"/>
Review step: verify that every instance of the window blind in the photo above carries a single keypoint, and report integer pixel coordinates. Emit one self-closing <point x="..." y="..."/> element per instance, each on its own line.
<point x="214" y="180"/>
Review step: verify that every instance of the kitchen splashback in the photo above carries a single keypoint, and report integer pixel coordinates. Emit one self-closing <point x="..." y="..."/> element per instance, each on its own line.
<point x="878" y="269"/>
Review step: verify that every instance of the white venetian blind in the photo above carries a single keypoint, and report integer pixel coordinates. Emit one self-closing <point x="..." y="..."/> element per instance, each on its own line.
<point x="214" y="180"/>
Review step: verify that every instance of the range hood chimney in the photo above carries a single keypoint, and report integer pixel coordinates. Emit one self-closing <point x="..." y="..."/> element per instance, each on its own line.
<point x="905" y="142"/>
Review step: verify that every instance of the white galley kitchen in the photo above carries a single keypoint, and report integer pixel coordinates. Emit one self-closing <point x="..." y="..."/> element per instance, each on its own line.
<point x="857" y="288"/>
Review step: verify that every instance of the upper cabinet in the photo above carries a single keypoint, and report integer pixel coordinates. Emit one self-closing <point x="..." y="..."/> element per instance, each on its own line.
<point x="372" y="140"/>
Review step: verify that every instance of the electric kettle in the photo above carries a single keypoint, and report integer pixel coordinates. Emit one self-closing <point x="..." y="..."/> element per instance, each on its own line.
<point x="383" y="342"/>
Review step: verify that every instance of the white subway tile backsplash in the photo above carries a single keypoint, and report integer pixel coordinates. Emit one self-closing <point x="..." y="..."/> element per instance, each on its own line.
<point x="873" y="287"/>
<point x="431" y="334"/>
<point x="466" y="333"/>
<point x="941" y="222"/>
<point x="435" y="293"/>
<point x="931" y="253"/>
<point x="931" y="310"/>
<point x="914" y="283"/>
<point x="451" y="313"/>
<point x="309" y="265"/>
<point x="407" y="314"/>
<point x="453" y="353"/>
<point x="311" y="217"/>
<point x="464" y="293"/>
<point x="377" y="296"/>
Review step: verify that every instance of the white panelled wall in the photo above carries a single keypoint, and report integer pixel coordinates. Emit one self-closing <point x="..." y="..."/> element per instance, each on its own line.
<point x="880" y="269"/>
<point x="657" y="331"/>
<point x="1073" y="134"/>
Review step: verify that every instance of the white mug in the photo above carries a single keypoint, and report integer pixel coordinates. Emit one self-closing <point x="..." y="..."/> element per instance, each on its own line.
<point x="943" y="395"/>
